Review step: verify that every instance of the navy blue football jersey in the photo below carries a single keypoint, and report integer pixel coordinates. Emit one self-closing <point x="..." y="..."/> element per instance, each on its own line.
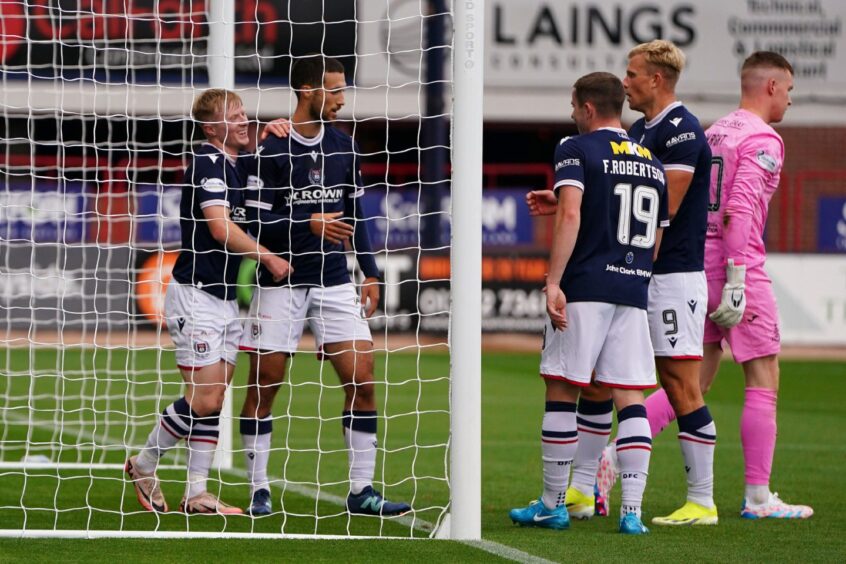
<point x="212" y="179"/>
<point x="677" y="139"/>
<point x="624" y="202"/>
<point x="291" y="179"/>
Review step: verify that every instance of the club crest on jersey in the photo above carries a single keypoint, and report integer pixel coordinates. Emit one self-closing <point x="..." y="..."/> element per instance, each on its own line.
<point x="629" y="257"/>
<point x="315" y="176"/>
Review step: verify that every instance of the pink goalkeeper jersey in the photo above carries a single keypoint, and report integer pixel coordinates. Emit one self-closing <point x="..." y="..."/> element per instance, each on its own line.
<point x="747" y="156"/>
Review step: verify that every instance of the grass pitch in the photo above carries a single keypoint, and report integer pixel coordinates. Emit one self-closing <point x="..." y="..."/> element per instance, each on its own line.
<point x="79" y="417"/>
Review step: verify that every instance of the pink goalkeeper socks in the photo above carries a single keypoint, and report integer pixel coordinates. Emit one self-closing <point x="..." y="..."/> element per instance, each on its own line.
<point x="659" y="412"/>
<point x="758" y="434"/>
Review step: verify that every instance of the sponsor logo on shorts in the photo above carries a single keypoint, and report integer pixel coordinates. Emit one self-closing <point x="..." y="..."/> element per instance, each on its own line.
<point x="692" y="305"/>
<point x="181" y="323"/>
<point x="673" y="341"/>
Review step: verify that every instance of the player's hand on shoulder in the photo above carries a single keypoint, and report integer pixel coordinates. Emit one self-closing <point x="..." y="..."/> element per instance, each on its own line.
<point x="280" y="127"/>
<point x="541" y="202"/>
<point x="369" y="296"/>
<point x="556" y="306"/>
<point x="278" y="267"/>
<point x="330" y="226"/>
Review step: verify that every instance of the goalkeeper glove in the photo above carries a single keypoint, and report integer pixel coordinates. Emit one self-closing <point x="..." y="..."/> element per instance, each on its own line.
<point x="733" y="301"/>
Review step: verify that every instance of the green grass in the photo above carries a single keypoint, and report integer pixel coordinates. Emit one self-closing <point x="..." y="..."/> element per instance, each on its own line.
<point x="413" y="396"/>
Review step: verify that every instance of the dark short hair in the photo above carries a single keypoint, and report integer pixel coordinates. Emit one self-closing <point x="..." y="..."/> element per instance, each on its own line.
<point x="766" y="60"/>
<point x="309" y="71"/>
<point x="603" y="90"/>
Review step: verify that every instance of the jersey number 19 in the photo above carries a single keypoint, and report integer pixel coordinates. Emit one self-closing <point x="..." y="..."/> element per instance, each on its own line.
<point x="642" y="204"/>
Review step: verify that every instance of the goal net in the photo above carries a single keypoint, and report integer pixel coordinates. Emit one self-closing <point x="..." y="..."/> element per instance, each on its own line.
<point x="96" y="135"/>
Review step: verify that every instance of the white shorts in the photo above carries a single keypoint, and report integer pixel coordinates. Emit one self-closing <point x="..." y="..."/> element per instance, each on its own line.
<point x="204" y="328"/>
<point x="278" y="316"/>
<point x="611" y="339"/>
<point x="677" y="306"/>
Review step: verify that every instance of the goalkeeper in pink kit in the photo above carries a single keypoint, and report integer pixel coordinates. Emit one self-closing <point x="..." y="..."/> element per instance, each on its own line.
<point x="747" y="160"/>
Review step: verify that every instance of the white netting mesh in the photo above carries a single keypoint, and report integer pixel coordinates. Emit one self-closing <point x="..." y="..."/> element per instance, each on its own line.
<point x="95" y="136"/>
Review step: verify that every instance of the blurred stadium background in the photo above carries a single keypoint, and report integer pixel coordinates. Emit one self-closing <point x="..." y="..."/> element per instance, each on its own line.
<point x="95" y="96"/>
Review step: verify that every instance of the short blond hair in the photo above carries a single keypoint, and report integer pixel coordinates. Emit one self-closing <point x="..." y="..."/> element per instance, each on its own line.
<point x="210" y="103"/>
<point x="664" y="56"/>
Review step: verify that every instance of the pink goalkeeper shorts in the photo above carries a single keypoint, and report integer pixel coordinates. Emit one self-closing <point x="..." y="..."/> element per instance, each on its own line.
<point x="757" y="335"/>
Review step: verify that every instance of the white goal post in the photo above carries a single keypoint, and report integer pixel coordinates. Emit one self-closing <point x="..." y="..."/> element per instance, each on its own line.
<point x="91" y="153"/>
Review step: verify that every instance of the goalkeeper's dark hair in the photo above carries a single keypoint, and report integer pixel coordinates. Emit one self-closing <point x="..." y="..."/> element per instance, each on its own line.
<point x="603" y="90"/>
<point x="307" y="72"/>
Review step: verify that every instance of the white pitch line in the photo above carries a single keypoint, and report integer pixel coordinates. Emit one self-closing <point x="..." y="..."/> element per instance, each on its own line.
<point x="507" y="552"/>
<point x="491" y="547"/>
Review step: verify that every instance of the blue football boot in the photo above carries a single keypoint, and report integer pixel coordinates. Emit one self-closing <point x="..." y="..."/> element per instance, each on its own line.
<point x="630" y="524"/>
<point x="537" y="515"/>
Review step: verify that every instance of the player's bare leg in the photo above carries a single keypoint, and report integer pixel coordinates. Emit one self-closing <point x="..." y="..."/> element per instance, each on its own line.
<point x="697" y="437"/>
<point x="267" y="372"/>
<point x="353" y="361"/>
<point x="559" y="442"/>
<point x="758" y="436"/>
<point x="712" y="355"/>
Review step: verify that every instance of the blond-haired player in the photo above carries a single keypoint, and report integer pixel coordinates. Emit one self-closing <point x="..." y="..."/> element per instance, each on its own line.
<point x="200" y="308"/>
<point x="677" y="299"/>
